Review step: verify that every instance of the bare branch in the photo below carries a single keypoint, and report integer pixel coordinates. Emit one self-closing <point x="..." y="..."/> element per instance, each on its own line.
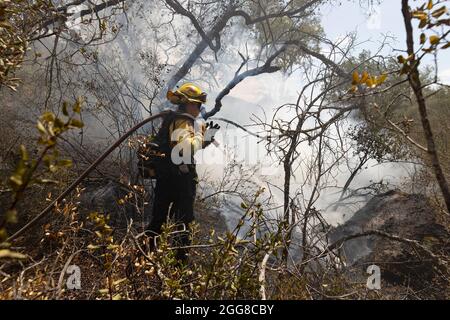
<point x="175" y="5"/>
<point x="266" y="68"/>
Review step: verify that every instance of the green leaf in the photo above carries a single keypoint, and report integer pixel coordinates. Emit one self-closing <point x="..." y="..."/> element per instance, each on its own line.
<point x="65" y="163"/>
<point x="364" y="76"/>
<point x="434" y="39"/>
<point x="50" y="129"/>
<point x="6" y="253"/>
<point x="423" y="38"/>
<point x="355" y="78"/>
<point x="423" y="23"/>
<point x="419" y="15"/>
<point x="77" y="105"/>
<point x="41" y="127"/>
<point x="117" y="282"/>
<point x="64" y="108"/>
<point x="15" y="181"/>
<point x="76" y="123"/>
<point x="59" y="124"/>
<point x="439" y="12"/>
<point x="11" y="216"/>
<point x="48" y="116"/>
<point x="51" y="142"/>
<point x="381" y="79"/>
<point x="24" y="153"/>
<point x="47" y="181"/>
<point x="3" y="235"/>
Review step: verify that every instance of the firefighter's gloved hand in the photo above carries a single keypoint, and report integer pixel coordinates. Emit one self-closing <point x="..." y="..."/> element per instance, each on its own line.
<point x="211" y="130"/>
<point x="210" y="125"/>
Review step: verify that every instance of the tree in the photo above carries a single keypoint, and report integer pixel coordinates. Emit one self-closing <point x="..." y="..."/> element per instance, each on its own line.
<point x="430" y="18"/>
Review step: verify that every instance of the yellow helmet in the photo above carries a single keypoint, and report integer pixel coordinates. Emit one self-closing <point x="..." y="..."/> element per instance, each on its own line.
<point x="188" y="92"/>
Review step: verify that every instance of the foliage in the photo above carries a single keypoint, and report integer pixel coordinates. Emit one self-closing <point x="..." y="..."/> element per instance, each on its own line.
<point x="119" y="266"/>
<point x="433" y="16"/>
<point x="370" y="81"/>
<point x="28" y="170"/>
<point x="304" y="27"/>
<point x="18" y="21"/>
<point x="377" y="143"/>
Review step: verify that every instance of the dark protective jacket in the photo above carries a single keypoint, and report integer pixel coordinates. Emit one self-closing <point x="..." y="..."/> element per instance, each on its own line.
<point x="176" y="130"/>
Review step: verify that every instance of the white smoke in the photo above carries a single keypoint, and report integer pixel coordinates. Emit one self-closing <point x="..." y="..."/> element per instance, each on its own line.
<point x="146" y="30"/>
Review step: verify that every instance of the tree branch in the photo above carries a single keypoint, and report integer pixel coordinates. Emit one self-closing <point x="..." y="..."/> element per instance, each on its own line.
<point x="266" y="68"/>
<point x="178" y="8"/>
<point x="64" y="14"/>
<point x="290" y="13"/>
<point x="339" y="71"/>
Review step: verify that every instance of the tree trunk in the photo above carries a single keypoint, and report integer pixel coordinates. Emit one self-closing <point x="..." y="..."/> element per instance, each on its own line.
<point x="416" y="85"/>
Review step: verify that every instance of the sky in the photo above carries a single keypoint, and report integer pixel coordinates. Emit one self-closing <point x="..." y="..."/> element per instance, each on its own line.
<point x="371" y="25"/>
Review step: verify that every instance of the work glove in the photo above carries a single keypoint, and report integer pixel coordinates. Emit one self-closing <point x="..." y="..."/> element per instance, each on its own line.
<point x="211" y="125"/>
<point x="211" y="130"/>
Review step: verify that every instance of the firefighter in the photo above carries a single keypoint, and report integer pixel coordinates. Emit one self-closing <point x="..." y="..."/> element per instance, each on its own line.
<point x="179" y="137"/>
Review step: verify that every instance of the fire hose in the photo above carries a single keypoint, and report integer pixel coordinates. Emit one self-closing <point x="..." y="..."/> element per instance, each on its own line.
<point x="74" y="184"/>
<point x="91" y="167"/>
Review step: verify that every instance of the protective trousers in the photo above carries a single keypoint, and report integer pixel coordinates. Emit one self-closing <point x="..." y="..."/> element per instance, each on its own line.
<point x="177" y="189"/>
